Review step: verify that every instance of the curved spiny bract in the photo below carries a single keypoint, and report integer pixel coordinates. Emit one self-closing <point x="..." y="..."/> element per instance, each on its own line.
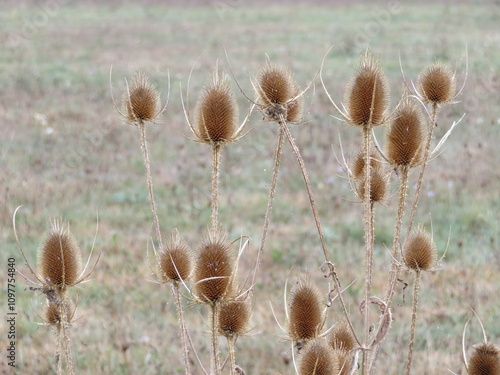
<point x="213" y="273"/>
<point x="367" y="95"/>
<point x="317" y="358"/>
<point x="437" y="84"/>
<point x="306" y="311"/>
<point x="59" y="257"/>
<point x="216" y="113"/>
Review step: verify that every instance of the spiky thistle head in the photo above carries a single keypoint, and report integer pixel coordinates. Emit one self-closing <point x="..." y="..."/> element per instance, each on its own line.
<point x="420" y="251"/>
<point x="213" y="273"/>
<point x="141" y="101"/>
<point x="176" y="260"/>
<point x="306" y="312"/>
<point x="378" y="185"/>
<point x="437" y="84"/>
<point x="234" y="317"/>
<point x="358" y="164"/>
<point x="216" y="112"/>
<point x="484" y="359"/>
<point x="367" y="94"/>
<point x="406" y="136"/>
<point x="341" y="336"/>
<point x="59" y="257"/>
<point x="279" y="94"/>
<point x="53" y="311"/>
<point x="317" y="358"/>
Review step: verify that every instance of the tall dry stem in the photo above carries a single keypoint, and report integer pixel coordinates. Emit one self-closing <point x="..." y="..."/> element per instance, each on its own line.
<point x="216" y="156"/>
<point x="416" y="289"/>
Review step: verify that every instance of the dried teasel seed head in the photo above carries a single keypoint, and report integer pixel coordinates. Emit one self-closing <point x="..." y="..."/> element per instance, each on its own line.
<point x="420" y="251"/>
<point x="341" y="337"/>
<point x="367" y="95"/>
<point x="216" y="112"/>
<point x="306" y="312"/>
<point x="406" y="136"/>
<point x="141" y="102"/>
<point x="213" y="273"/>
<point x="317" y="358"/>
<point x="378" y="186"/>
<point x="484" y="359"/>
<point x="358" y="164"/>
<point x="234" y="317"/>
<point x="343" y="358"/>
<point x="53" y="312"/>
<point x="437" y="84"/>
<point x="279" y="94"/>
<point x="59" y="257"/>
<point x="176" y="260"/>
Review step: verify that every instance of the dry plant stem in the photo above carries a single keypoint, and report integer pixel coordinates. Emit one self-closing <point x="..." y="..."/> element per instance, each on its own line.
<point x="145" y="154"/>
<point x="175" y="292"/>
<point x="403" y="188"/>
<point x="432" y="125"/>
<point x="333" y="273"/>
<point x="232" y="357"/>
<point x="277" y="158"/>
<point x="216" y="154"/>
<point x="214" y="348"/>
<point x="59" y="349"/>
<point x="65" y="337"/>
<point x="416" y="289"/>
<point x="182" y="322"/>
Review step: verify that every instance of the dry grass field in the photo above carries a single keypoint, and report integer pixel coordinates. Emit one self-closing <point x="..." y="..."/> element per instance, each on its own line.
<point x="65" y="152"/>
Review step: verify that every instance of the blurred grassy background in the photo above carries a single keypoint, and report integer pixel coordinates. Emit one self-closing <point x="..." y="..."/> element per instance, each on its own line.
<point x="65" y="152"/>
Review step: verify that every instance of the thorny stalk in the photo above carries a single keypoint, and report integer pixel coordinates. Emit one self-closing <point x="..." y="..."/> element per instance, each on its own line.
<point x="214" y="347"/>
<point x="416" y="289"/>
<point x="182" y="322"/>
<point x="216" y="155"/>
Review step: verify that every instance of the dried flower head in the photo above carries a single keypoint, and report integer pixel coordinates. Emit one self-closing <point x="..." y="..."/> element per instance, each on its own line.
<point x="141" y="102"/>
<point x="216" y="113"/>
<point x="317" y="358"/>
<point x="53" y="312"/>
<point x="176" y="260"/>
<point x="437" y="84"/>
<point x="406" y="136"/>
<point x="341" y="337"/>
<point x="484" y="360"/>
<point x="420" y="251"/>
<point x="358" y="164"/>
<point x="378" y="186"/>
<point x="279" y="94"/>
<point x="343" y="358"/>
<point x="59" y="257"/>
<point x="234" y="317"/>
<point x="214" y="268"/>
<point x="306" y="312"/>
<point x="367" y="95"/>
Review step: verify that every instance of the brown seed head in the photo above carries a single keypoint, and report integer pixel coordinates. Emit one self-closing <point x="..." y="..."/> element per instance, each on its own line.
<point x="341" y="337"/>
<point x="306" y="313"/>
<point x="378" y="188"/>
<point x="437" y="84"/>
<point x="343" y="358"/>
<point x="213" y="271"/>
<point x="234" y="317"/>
<point x="420" y="251"/>
<point x="216" y="112"/>
<point x="176" y="260"/>
<point x="59" y="257"/>
<point x="484" y="360"/>
<point x="317" y="358"/>
<point x="278" y="94"/>
<point x="406" y="137"/>
<point x="53" y="312"/>
<point x="142" y="101"/>
<point x="358" y="164"/>
<point x="367" y="95"/>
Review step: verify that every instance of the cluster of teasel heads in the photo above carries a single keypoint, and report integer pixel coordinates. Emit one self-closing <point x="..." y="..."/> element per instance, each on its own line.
<point x="59" y="269"/>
